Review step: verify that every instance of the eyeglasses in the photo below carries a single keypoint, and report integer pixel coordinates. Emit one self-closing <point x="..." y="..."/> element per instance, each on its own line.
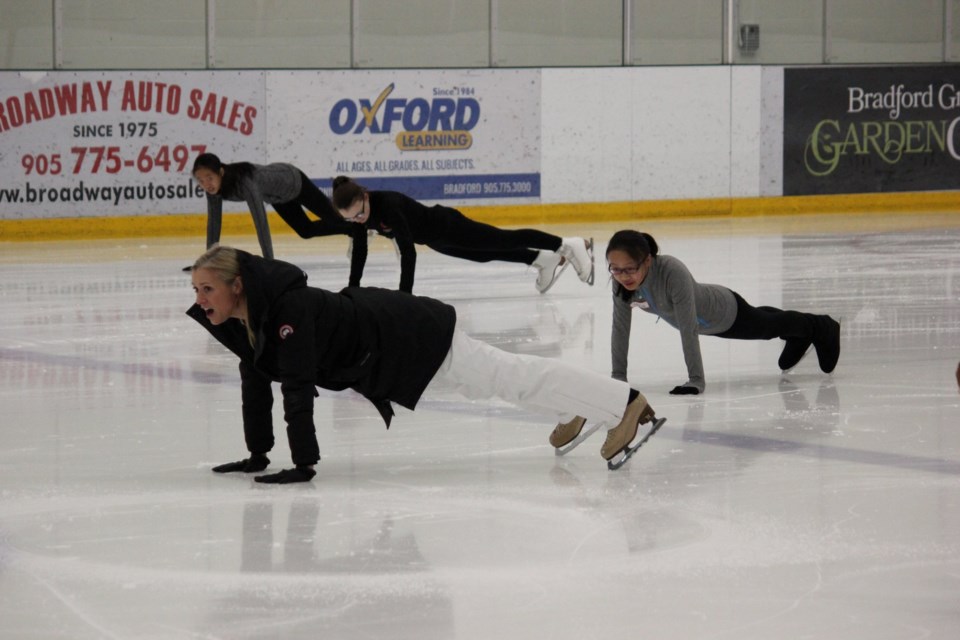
<point x="363" y="210"/>
<point x="625" y="271"/>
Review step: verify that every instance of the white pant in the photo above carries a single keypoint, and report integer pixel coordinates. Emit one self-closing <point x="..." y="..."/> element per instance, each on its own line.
<point x="479" y="371"/>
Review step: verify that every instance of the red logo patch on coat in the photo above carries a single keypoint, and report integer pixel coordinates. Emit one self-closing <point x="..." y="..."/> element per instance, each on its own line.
<point x="285" y="331"/>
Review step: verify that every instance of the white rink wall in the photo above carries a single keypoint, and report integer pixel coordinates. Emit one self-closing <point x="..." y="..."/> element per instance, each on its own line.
<point x="614" y="134"/>
<point x="654" y="133"/>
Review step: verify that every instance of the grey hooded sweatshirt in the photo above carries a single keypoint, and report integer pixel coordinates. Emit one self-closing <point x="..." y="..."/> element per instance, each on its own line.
<point x="271" y="183"/>
<point x="670" y="292"/>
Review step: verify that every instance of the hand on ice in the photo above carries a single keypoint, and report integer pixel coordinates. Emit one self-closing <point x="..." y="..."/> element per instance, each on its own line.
<point x="301" y="473"/>
<point x="683" y="390"/>
<point x="256" y="462"/>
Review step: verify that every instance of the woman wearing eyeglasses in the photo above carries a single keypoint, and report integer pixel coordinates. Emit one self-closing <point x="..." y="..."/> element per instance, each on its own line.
<point x="663" y="286"/>
<point x="282" y="185"/>
<point x="451" y="233"/>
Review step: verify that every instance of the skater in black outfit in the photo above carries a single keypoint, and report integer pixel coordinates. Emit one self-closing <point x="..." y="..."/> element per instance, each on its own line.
<point x="282" y="185"/>
<point x="451" y="233"/>
<point x="387" y="345"/>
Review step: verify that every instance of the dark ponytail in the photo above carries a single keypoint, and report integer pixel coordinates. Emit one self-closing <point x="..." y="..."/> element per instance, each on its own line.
<point x="207" y="161"/>
<point x="231" y="174"/>
<point x="346" y="192"/>
<point x="636" y="244"/>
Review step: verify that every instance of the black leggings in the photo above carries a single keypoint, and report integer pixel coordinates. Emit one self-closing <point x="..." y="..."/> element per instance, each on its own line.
<point x="766" y="323"/>
<point x="330" y="222"/>
<point x="468" y="239"/>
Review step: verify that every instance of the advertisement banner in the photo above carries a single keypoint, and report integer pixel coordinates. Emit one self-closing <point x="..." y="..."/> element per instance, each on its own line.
<point x="438" y="135"/>
<point x="871" y="129"/>
<point x="120" y="143"/>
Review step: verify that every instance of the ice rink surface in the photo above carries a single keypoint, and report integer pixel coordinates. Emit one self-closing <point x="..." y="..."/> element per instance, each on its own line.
<point x="801" y="505"/>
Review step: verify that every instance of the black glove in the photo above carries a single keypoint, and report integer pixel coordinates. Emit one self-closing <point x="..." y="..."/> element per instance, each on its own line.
<point x="683" y="390"/>
<point x="302" y="473"/>
<point x="256" y="462"/>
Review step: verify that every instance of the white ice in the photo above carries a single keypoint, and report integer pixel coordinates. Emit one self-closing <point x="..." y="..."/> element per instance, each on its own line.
<point x="774" y="506"/>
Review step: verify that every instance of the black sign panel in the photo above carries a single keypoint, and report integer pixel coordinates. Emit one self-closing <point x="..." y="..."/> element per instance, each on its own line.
<point x="871" y="129"/>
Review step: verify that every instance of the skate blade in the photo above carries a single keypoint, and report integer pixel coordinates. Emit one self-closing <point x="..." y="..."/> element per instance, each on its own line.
<point x="576" y="442"/>
<point x="556" y="276"/>
<point x="617" y="462"/>
<point x="589" y="279"/>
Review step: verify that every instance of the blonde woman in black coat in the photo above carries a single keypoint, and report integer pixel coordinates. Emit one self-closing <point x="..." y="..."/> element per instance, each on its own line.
<point x="389" y="346"/>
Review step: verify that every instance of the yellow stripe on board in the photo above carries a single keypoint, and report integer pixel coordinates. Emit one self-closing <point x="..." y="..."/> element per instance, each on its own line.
<point x="506" y="215"/>
<point x="734" y="207"/>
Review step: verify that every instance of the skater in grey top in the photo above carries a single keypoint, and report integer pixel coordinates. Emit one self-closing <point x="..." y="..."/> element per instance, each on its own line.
<point x="282" y="185"/>
<point x="663" y="286"/>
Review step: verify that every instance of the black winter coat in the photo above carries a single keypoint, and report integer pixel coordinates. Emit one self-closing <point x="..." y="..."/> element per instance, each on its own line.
<point x="386" y="345"/>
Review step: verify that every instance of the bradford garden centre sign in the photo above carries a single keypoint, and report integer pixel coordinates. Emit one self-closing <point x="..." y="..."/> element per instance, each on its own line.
<point x="871" y="129"/>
